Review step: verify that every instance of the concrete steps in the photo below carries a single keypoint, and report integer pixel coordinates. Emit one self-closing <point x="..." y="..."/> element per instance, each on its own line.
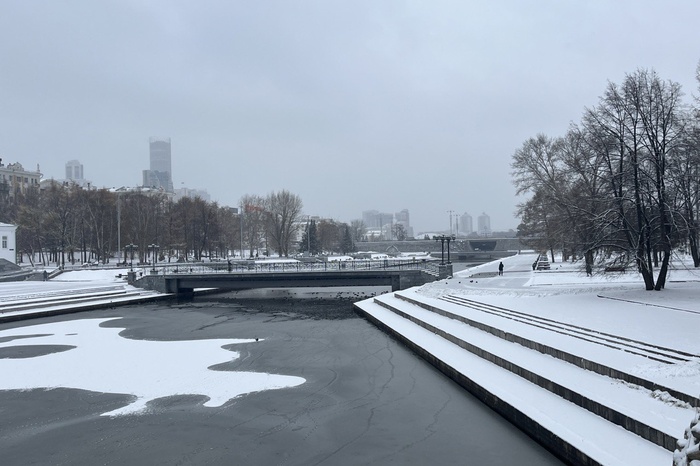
<point x="585" y="411"/>
<point x="640" y="348"/>
<point x="605" y="354"/>
<point x="60" y="302"/>
<point x="37" y="300"/>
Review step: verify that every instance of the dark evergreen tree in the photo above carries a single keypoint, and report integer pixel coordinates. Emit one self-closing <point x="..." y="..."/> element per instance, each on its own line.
<point x="347" y="244"/>
<point x="309" y="239"/>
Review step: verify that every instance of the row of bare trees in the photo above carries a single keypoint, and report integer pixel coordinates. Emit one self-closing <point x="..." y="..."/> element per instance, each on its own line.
<point x="67" y="224"/>
<point x="273" y="220"/>
<point x="621" y="187"/>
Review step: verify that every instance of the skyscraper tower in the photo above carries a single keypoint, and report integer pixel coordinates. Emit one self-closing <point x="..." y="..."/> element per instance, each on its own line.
<point x="403" y="217"/>
<point x="74" y="171"/>
<point x="484" y="224"/>
<point x="160" y="173"/>
<point x="465" y="224"/>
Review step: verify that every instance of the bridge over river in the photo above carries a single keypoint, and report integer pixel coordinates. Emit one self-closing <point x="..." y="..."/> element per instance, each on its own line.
<point x="182" y="279"/>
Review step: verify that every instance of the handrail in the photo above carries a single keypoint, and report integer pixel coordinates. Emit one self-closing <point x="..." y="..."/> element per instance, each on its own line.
<point x="276" y="267"/>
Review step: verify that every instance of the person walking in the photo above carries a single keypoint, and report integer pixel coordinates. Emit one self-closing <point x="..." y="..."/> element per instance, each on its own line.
<point x="500" y="268"/>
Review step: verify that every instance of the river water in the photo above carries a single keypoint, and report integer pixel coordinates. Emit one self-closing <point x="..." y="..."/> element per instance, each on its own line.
<point x="366" y="400"/>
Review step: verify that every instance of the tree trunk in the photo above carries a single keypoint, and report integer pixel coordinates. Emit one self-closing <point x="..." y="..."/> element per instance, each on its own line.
<point x="693" y="241"/>
<point x="663" y="272"/>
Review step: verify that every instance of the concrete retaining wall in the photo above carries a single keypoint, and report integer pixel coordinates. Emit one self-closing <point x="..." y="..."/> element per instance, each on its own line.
<point x="149" y="282"/>
<point x="555" y="444"/>
<point x="653" y="435"/>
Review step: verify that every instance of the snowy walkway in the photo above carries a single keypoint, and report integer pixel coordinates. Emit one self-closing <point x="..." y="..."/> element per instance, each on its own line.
<point x="69" y="292"/>
<point x="595" y="367"/>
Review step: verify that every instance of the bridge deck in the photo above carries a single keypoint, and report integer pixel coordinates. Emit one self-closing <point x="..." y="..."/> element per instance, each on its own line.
<point x="177" y="283"/>
<point x="396" y="274"/>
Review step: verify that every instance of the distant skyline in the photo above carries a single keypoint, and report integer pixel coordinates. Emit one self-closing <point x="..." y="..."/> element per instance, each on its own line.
<point x="352" y="106"/>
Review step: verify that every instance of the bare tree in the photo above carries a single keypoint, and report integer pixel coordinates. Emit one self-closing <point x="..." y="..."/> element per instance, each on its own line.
<point x="283" y="213"/>
<point x="399" y="231"/>
<point x="253" y="221"/>
<point x="684" y="171"/>
<point x="607" y="184"/>
<point x="58" y="205"/>
<point x="538" y="169"/>
<point x="358" y="230"/>
<point x="30" y="231"/>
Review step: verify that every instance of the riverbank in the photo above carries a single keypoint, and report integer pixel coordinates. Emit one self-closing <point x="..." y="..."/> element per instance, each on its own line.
<point x="70" y="292"/>
<point x="456" y="324"/>
<point x="567" y="357"/>
<point x="77" y="381"/>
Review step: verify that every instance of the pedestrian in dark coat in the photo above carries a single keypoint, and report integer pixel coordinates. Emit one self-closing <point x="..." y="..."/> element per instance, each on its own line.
<point x="500" y="268"/>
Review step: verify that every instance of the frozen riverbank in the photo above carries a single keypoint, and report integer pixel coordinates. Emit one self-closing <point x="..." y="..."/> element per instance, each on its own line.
<point x="568" y="358"/>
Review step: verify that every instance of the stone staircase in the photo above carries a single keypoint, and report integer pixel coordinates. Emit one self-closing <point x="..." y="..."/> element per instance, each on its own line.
<point x="47" y="303"/>
<point x="568" y="387"/>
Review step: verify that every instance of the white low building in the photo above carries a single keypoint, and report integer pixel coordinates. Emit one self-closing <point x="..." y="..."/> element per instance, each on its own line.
<point x="8" y="242"/>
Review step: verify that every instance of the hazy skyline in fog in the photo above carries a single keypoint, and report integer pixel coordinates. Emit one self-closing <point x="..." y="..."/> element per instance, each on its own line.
<point x="351" y="105"/>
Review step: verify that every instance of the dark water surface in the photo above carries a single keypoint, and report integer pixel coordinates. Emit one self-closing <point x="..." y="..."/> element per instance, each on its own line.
<point x="366" y="400"/>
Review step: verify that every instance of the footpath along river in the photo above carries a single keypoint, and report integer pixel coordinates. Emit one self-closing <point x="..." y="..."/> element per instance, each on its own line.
<point x="366" y="399"/>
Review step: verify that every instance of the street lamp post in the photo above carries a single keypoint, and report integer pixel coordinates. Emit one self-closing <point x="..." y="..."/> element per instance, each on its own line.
<point x="240" y="221"/>
<point x="119" y="227"/>
<point x="129" y="248"/>
<point x="154" y="248"/>
<point x="444" y="239"/>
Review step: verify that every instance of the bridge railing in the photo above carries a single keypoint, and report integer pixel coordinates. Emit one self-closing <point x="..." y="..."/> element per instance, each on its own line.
<point x="270" y="267"/>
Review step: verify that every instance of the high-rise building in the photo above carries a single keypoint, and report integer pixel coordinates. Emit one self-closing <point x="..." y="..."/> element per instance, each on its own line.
<point x="160" y="173"/>
<point x="466" y="225"/>
<point x="375" y="219"/>
<point x="368" y="218"/>
<point x="484" y="224"/>
<point x="403" y="218"/>
<point x="74" y="171"/>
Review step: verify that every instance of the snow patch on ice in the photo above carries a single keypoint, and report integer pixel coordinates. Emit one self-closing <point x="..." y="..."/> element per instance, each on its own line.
<point x="104" y="361"/>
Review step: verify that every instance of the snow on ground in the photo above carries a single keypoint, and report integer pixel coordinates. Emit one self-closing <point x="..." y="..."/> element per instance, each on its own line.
<point x="580" y="428"/>
<point x="612" y="303"/>
<point x="615" y="303"/>
<point x="77" y="282"/>
<point x="96" y="275"/>
<point x="70" y="280"/>
<point x="97" y="358"/>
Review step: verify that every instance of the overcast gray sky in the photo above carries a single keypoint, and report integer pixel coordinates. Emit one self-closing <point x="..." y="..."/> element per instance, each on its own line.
<point x="352" y="105"/>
